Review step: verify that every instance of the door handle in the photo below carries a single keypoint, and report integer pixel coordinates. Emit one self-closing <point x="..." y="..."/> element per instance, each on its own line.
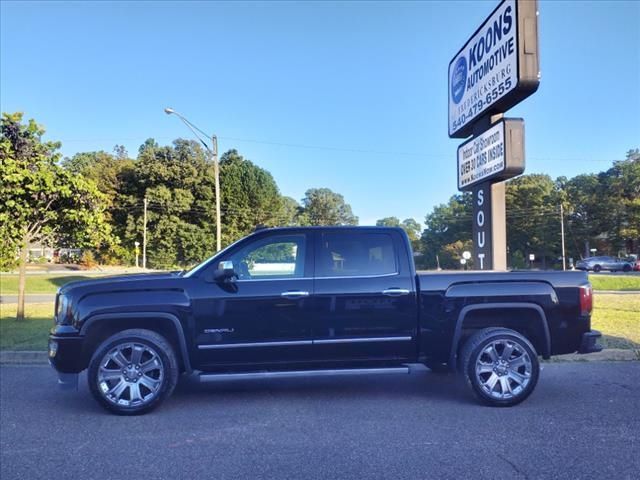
<point x="292" y="294"/>
<point x="395" y="292"/>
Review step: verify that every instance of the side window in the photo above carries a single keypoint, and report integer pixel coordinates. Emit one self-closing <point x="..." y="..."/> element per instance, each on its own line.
<point x="355" y="254"/>
<point x="273" y="257"/>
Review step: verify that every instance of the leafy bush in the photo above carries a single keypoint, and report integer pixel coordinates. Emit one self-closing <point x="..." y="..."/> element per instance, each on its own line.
<point x="88" y="259"/>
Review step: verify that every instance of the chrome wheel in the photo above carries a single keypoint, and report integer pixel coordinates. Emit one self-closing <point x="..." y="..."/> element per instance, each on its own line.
<point x="503" y="369"/>
<point x="130" y="374"/>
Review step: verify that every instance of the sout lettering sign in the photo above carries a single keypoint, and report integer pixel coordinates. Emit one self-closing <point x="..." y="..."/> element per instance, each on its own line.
<point x="497" y="67"/>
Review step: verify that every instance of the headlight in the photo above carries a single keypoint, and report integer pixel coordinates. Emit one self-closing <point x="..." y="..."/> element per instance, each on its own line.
<point x="63" y="310"/>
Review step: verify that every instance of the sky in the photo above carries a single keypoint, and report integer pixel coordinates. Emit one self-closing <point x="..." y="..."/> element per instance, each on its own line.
<point x="352" y="96"/>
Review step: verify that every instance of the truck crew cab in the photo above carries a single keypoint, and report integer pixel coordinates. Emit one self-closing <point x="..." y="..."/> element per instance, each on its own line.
<point x="315" y="301"/>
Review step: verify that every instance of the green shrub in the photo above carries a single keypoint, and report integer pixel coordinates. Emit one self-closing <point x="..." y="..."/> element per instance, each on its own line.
<point x="88" y="259"/>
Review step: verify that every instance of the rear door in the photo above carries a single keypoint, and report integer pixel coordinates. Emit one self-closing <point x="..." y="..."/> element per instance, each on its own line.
<point x="365" y="299"/>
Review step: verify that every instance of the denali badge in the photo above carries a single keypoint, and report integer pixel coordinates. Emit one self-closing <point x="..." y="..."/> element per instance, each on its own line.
<point x="218" y="330"/>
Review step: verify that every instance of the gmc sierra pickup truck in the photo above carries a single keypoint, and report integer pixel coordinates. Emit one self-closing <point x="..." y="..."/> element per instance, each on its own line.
<point x="291" y="302"/>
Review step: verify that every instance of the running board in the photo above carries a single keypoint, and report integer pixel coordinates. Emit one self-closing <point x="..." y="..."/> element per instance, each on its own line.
<point x="214" y="377"/>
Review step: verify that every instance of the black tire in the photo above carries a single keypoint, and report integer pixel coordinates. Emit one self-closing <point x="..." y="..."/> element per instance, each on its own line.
<point x="521" y="364"/>
<point x="155" y="355"/>
<point x="437" y="367"/>
<point x="597" y="268"/>
<point x="626" y="268"/>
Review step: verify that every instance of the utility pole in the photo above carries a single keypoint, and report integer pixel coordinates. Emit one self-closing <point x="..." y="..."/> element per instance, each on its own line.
<point x="564" y="263"/>
<point x="144" y="235"/>
<point x="216" y="174"/>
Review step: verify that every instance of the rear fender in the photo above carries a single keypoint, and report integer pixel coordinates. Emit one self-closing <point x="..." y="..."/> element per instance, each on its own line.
<point x="540" y="316"/>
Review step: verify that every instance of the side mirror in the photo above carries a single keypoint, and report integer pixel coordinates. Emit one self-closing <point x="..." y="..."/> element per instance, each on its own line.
<point x="224" y="271"/>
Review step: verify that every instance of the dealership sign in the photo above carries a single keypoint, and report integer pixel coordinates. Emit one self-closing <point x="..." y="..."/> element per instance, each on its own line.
<point x="495" y="154"/>
<point x="496" y="68"/>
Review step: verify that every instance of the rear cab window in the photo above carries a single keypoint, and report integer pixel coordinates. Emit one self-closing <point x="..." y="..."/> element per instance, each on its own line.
<point x="355" y="254"/>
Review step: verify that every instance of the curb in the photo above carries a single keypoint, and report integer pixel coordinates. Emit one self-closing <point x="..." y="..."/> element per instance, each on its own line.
<point x="606" y="355"/>
<point x="8" y="357"/>
<point x="617" y="292"/>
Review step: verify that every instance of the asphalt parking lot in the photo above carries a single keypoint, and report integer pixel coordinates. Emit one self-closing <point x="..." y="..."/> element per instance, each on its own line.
<point x="583" y="421"/>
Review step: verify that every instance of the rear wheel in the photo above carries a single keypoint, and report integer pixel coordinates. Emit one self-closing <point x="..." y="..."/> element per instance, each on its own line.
<point x="626" y="268"/>
<point x="500" y="366"/>
<point x="597" y="268"/>
<point x="133" y="371"/>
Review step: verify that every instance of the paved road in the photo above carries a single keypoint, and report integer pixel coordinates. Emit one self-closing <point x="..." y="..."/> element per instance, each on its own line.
<point x="583" y="421"/>
<point x="29" y="298"/>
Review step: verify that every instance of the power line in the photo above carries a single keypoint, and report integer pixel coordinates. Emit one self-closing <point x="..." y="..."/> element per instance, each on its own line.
<point x="340" y="149"/>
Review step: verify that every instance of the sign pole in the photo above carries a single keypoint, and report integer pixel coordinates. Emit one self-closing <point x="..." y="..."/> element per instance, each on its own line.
<point x="499" y="225"/>
<point x="496" y="69"/>
<point x="489" y="230"/>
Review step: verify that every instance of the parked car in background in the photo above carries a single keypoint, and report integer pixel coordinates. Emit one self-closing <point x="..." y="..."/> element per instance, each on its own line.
<point x="612" y="264"/>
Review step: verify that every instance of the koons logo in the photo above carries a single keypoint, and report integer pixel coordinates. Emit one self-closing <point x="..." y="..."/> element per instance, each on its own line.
<point x="459" y="80"/>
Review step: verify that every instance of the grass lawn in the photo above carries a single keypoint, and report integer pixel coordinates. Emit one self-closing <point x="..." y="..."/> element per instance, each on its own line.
<point x="616" y="316"/>
<point x="39" y="283"/>
<point x="31" y="334"/>
<point x="606" y="282"/>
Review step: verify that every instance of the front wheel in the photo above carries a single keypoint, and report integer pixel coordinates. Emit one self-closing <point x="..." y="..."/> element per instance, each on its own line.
<point x="597" y="268"/>
<point x="132" y="372"/>
<point x="500" y="365"/>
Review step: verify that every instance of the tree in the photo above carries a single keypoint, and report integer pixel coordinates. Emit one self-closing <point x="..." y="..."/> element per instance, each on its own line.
<point x="388" y="222"/>
<point x="109" y="172"/>
<point x="41" y="200"/>
<point x="177" y="182"/>
<point x="622" y="184"/>
<point x="604" y="209"/>
<point x="533" y="217"/>
<point x="250" y="197"/>
<point x="291" y="212"/>
<point x="452" y="253"/>
<point x="446" y="224"/>
<point x="414" y="231"/>
<point x="409" y="225"/>
<point x="324" y="207"/>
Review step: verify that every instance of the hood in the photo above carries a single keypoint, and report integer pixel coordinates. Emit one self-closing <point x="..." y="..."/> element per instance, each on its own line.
<point x="134" y="281"/>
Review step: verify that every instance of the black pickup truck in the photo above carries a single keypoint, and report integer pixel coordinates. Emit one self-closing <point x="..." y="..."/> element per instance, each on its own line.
<point x="315" y="301"/>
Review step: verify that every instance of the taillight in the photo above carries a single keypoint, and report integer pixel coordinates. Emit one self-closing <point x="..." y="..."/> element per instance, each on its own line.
<point x="586" y="299"/>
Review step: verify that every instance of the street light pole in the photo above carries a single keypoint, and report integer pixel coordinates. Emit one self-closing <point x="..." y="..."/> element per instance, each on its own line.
<point x="216" y="168"/>
<point x="564" y="263"/>
<point x="216" y="174"/>
<point x="144" y="233"/>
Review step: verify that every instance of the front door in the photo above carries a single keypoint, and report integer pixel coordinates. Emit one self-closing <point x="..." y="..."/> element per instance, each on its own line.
<point x="263" y="315"/>
<point x="364" y="301"/>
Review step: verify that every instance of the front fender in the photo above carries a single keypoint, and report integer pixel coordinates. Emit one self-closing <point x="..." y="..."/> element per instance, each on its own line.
<point x="144" y="317"/>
